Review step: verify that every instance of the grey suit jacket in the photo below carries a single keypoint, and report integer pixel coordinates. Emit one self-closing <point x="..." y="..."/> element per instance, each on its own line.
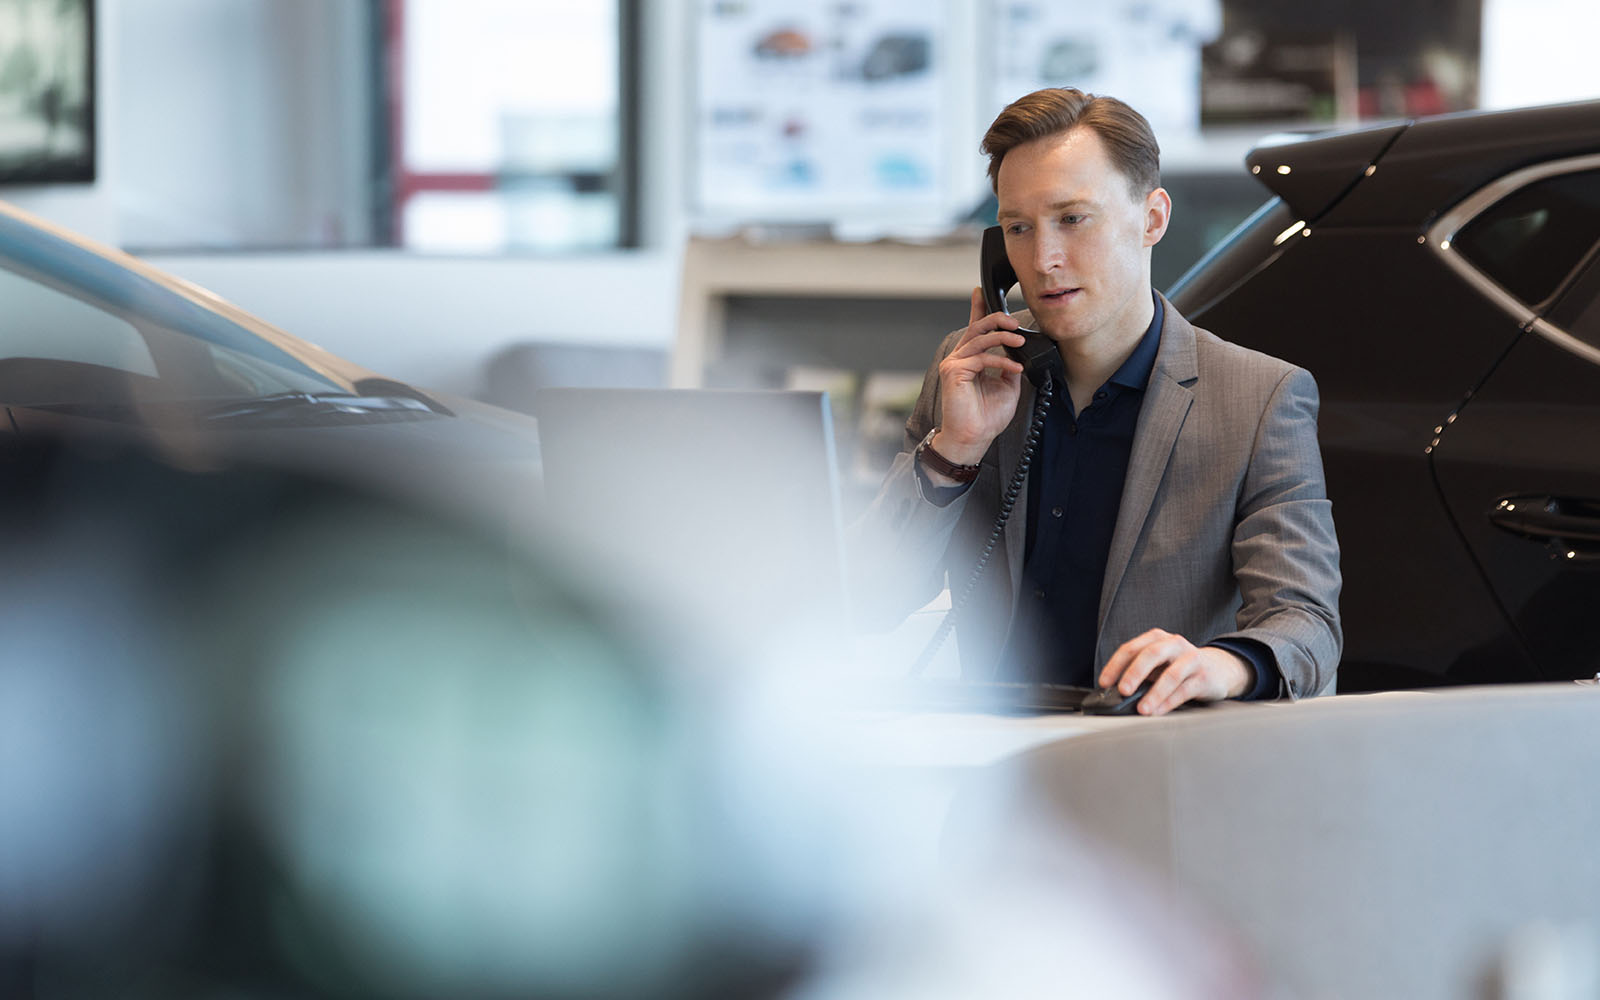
<point x="1224" y="529"/>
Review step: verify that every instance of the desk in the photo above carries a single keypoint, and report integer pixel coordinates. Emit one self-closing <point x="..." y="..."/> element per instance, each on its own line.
<point x="917" y="763"/>
<point x="961" y="740"/>
<point x="967" y="741"/>
<point x="1393" y="844"/>
<point x="1403" y="844"/>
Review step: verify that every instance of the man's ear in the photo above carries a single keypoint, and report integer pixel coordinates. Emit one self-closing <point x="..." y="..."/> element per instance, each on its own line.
<point x="1157" y="213"/>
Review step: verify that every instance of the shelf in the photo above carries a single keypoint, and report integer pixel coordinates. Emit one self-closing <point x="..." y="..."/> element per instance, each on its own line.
<point x="716" y="270"/>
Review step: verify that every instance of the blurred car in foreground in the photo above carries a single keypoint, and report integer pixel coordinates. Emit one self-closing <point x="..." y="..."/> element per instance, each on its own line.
<point x="1441" y="279"/>
<point x="267" y="735"/>
<point x="96" y="343"/>
<point x="285" y="658"/>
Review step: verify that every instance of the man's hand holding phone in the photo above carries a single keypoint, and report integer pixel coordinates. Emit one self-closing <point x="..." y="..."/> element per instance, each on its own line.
<point x="978" y="387"/>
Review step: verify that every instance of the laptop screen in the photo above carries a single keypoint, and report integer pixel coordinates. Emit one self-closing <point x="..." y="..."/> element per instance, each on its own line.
<point x="724" y="504"/>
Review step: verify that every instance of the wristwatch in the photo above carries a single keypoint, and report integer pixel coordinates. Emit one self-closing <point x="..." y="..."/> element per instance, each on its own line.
<point x="938" y="463"/>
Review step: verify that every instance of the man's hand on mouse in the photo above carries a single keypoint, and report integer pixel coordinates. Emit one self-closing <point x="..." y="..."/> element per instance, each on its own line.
<point x="1187" y="672"/>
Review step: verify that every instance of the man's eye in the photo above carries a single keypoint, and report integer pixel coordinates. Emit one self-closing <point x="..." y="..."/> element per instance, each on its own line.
<point x="1015" y="230"/>
<point x="1072" y="220"/>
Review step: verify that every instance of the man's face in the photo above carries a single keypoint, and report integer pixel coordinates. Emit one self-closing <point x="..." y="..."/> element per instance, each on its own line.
<point x="1079" y="238"/>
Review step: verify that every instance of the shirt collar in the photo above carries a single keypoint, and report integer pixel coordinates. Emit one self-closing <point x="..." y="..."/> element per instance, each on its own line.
<point x="1135" y="372"/>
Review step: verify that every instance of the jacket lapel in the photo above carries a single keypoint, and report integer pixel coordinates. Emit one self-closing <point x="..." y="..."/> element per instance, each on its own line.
<point x="1166" y="405"/>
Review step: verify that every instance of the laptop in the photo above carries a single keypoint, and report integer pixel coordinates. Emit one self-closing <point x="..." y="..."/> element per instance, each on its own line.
<point x="723" y="504"/>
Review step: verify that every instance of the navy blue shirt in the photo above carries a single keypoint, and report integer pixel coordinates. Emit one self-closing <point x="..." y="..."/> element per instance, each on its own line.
<point x="1076" y="482"/>
<point x="1075" y="488"/>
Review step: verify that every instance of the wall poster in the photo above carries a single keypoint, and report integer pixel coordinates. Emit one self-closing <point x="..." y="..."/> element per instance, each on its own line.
<point x="1145" y="52"/>
<point x="809" y="111"/>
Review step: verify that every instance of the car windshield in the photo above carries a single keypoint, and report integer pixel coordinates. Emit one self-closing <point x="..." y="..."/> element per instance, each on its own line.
<point x="81" y="328"/>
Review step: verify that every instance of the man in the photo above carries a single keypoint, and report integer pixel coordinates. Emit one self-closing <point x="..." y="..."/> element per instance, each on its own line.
<point x="1176" y="525"/>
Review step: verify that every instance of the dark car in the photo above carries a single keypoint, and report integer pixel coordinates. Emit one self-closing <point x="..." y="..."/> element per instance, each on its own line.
<point x="1441" y="279"/>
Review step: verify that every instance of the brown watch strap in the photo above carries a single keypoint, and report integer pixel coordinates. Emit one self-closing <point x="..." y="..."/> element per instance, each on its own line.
<point x="938" y="463"/>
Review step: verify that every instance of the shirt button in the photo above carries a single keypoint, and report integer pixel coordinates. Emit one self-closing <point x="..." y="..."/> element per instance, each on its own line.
<point x="1055" y="511"/>
<point x="1072" y="430"/>
<point x="1039" y="593"/>
<point x="1100" y="395"/>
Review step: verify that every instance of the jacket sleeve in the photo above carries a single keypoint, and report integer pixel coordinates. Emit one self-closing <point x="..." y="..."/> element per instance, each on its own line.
<point x="1285" y="552"/>
<point x="896" y="548"/>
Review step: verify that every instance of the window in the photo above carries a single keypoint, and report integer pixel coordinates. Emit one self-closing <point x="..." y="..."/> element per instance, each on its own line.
<point x="59" y="349"/>
<point x="1535" y="238"/>
<point x="509" y="124"/>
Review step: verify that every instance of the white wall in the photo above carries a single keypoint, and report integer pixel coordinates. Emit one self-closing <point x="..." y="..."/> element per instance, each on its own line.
<point x="240" y="123"/>
<point x="1538" y="52"/>
<point x="174" y="77"/>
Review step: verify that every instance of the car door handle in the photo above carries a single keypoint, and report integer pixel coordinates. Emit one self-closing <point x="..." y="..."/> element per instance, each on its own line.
<point x="1567" y="521"/>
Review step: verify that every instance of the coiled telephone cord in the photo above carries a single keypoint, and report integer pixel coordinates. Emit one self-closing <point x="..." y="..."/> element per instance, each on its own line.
<point x="1041" y="409"/>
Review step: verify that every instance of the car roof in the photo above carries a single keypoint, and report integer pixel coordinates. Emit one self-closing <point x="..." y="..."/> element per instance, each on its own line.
<point x="1406" y="173"/>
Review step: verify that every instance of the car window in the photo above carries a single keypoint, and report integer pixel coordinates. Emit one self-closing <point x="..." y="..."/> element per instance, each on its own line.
<point x="1578" y="310"/>
<point x="1533" y="239"/>
<point x="251" y="375"/>
<point x="41" y="322"/>
<point x="63" y="346"/>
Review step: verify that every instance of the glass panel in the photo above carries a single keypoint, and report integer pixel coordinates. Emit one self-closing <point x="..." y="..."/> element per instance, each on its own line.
<point x="57" y="349"/>
<point x="249" y="375"/>
<point x="1578" y="310"/>
<point x="1532" y="240"/>
<point x="509" y="126"/>
<point x="48" y="324"/>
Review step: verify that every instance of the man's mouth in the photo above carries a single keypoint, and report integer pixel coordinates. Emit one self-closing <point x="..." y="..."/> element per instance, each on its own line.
<point x="1059" y="294"/>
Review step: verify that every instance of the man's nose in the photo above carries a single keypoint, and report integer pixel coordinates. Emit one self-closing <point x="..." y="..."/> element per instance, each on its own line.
<point x="1048" y="254"/>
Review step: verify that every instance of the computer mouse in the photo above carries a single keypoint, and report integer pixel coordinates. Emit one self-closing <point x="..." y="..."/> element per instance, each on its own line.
<point x="1110" y="701"/>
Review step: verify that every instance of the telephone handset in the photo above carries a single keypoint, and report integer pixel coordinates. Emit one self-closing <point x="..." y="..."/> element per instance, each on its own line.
<point x="1038" y="355"/>
<point x="1042" y="364"/>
